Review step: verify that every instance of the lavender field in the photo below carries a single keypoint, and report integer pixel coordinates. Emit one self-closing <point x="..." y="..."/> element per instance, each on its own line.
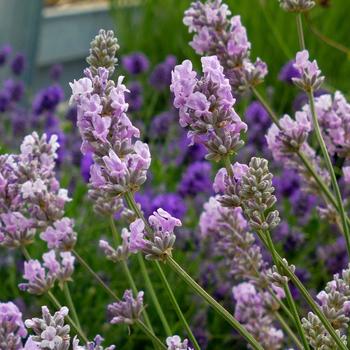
<point x="188" y="189"/>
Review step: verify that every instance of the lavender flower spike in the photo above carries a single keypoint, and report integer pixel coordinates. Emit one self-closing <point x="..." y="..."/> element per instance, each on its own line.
<point x="175" y="343"/>
<point x="128" y="310"/>
<point x="11" y="327"/>
<point x="122" y="251"/>
<point x="206" y="107"/>
<point x="217" y="33"/>
<point x="310" y="74"/>
<point x="51" y="333"/>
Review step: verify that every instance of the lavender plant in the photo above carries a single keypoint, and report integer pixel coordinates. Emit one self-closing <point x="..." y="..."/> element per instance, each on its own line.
<point x="240" y="225"/>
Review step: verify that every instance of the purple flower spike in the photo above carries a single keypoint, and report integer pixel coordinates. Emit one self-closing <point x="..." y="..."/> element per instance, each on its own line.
<point x="127" y="310"/>
<point x="135" y="63"/>
<point x="18" y="64"/>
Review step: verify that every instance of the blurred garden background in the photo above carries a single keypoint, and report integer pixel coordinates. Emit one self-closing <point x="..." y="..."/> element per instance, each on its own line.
<point x="43" y="46"/>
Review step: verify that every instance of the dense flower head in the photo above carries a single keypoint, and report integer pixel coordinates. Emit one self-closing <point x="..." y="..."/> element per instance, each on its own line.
<point x="47" y="99"/>
<point x="157" y="240"/>
<point x="206" y="107"/>
<point x="93" y="345"/>
<point x="11" y="327"/>
<point x="291" y="135"/>
<point x="120" y="161"/>
<point x="128" y="310"/>
<point x="334" y="301"/>
<point x="217" y="33"/>
<point x="18" y="64"/>
<point x="310" y="75"/>
<point x="50" y="332"/>
<point x="175" y="343"/>
<point x="196" y="179"/>
<point x="60" y="235"/>
<point x="288" y="72"/>
<point x="14" y="89"/>
<point x="135" y="63"/>
<point x="119" y="253"/>
<point x="252" y="310"/>
<point x="297" y="5"/>
<point x="160" y="77"/>
<point x="161" y="124"/>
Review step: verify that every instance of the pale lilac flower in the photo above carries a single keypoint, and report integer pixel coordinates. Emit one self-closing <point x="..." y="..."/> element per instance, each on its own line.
<point x="39" y="280"/>
<point x="16" y="230"/>
<point x="252" y="310"/>
<point x="121" y="252"/>
<point x="290" y="138"/>
<point x="62" y="268"/>
<point x="175" y="343"/>
<point x="61" y="235"/>
<point x="310" y="75"/>
<point x="297" y="5"/>
<point x="217" y="33"/>
<point x="51" y="332"/>
<point x="127" y="310"/>
<point x="206" y="107"/>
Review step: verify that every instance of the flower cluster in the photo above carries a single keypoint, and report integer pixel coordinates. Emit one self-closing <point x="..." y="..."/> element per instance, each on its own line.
<point x="334" y="301"/>
<point x="127" y="310"/>
<point x="155" y="240"/>
<point x="121" y="252"/>
<point x="310" y="77"/>
<point x="333" y="116"/>
<point x="216" y="33"/>
<point x="206" y="107"/>
<point x="42" y="276"/>
<point x="12" y="329"/>
<point x="254" y="309"/>
<point x="120" y="163"/>
<point x="30" y="194"/>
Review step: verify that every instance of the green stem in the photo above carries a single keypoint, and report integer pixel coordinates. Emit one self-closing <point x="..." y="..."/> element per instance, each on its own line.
<point x="300" y="31"/>
<point x="213" y="303"/>
<point x="95" y="275"/>
<point x="153" y="295"/>
<point x="71" y="305"/>
<point x="197" y="288"/>
<point x="303" y="158"/>
<point x="289" y="297"/>
<point x="269" y="110"/>
<point x="133" y="205"/>
<point x="286" y="327"/>
<point x="330" y="170"/>
<point x="143" y="327"/>
<point x="176" y="306"/>
<point x="314" y="307"/>
<point x="151" y="335"/>
<point x="127" y="271"/>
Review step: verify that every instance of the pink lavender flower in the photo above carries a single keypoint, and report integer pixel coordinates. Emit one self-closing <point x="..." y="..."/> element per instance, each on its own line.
<point x="310" y="75"/>
<point x="175" y="343"/>
<point x="61" y="269"/>
<point x="216" y="33"/>
<point x="61" y="235"/>
<point x="206" y="107"/>
<point x="346" y="174"/>
<point x="127" y="310"/>
<point x="11" y="327"/>
<point x="39" y="280"/>
<point x="252" y="310"/>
